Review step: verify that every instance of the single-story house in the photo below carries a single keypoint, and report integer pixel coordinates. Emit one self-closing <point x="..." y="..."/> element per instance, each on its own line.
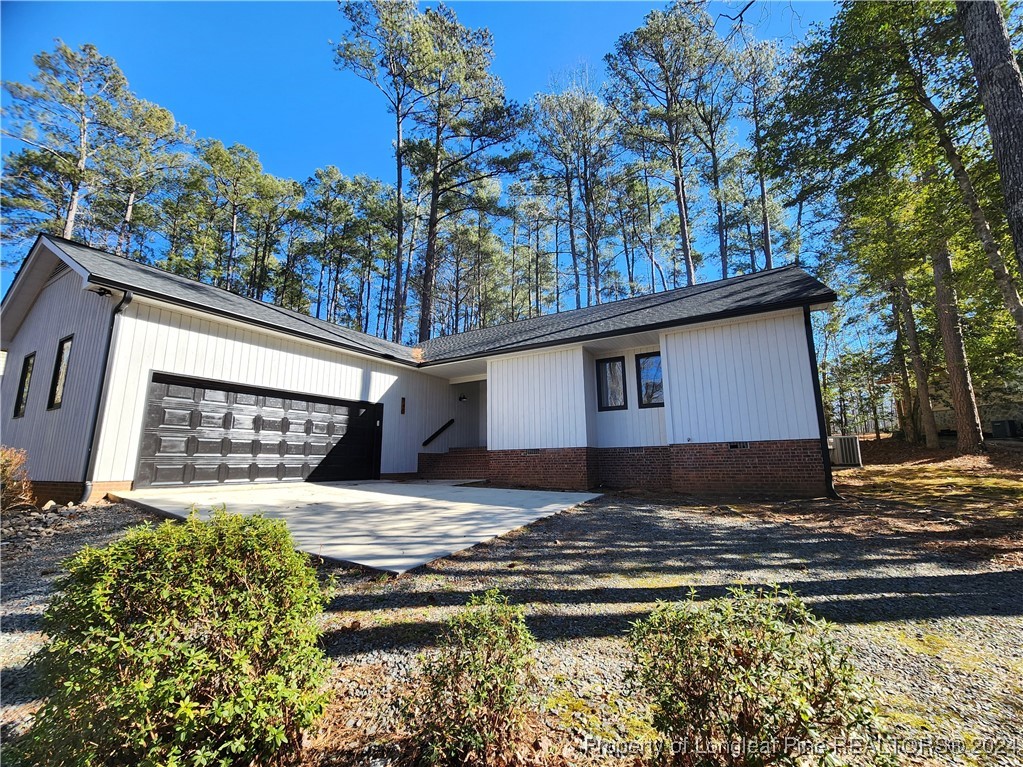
<point x="121" y="375"/>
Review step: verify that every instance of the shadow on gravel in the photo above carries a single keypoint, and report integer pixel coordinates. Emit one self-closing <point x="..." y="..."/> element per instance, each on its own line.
<point x="616" y="559"/>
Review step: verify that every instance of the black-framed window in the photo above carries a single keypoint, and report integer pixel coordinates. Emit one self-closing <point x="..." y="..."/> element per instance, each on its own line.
<point x="23" y="384"/>
<point x="649" y="380"/>
<point x="611" y="393"/>
<point x="60" y="365"/>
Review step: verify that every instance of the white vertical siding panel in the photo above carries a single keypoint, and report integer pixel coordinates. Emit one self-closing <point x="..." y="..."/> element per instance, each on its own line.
<point x="672" y="389"/>
<point x="150" y="338"/>
<point x="483" y="405"/>
<point x="635" y="426"/>
<point x="536" y="400"/>
<point x="748" y="356"/>
<point x="57" y="441"/>
<point x="747" y="380"/>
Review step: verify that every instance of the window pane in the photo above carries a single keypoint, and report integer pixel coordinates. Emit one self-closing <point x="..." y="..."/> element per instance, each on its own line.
<point x="23" y="384"/>
<point x="651" y="386"/>
<point x="611" y="383"/>
<point x="60" y="366"/>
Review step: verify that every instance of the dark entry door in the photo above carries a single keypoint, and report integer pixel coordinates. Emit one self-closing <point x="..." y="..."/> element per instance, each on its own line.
<point x="208" y="432"/>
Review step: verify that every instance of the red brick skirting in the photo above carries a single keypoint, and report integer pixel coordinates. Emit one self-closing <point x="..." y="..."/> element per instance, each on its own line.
<point x="458" y="463"/>
<point x="59" y="492"/>
<point x="625" y="468"/>
<point x="770" y="468"/>
<point x="554" y="468"/>
<point x="100" y="489"/>
<point x="776" y="467"/>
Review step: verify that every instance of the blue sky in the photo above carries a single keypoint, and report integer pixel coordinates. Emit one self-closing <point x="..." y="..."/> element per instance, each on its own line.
<point x="262" y="74"/>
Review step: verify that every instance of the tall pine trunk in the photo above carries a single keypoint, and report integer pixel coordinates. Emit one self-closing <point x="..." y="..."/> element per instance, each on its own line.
<point x="571" y="239"/>
<point x="399" y="234"/>
<point x="907" y="422"/>
<point x="923" y="393"/>
<point x="683" y="215"/>
<point x="719" y="205"/>
<point x="969" y="437"/>
<point x="981" y="227"/>
<point x="231" y="247"/>
<point x="592" y="245"/>
<point x="654" y="266"/>
<point x="536" y="267"/>
<point x="1001" y="92"/>
<point x="71" y="215"/>
<point x="124" y="233"/>
<point x="430" y="258"/>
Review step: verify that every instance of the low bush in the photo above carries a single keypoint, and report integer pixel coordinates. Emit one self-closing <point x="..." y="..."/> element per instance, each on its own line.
<point x="15" y="487"/>
<point x="184" y="644"/>
<point x="753" y="679"/>
<point x="472" y="696"/>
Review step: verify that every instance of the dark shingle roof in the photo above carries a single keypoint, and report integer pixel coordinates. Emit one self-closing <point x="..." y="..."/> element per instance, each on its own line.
<point x="749" y="294"/>
<point x="780" y="288"/>
<point x="114" y="271"/>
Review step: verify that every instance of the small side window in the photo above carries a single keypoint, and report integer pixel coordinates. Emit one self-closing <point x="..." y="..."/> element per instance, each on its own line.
<point x="59" y="374"/>
<point x="611" y="384"/>
<point x="23" y="384"/>
<point x="649" y="380"/>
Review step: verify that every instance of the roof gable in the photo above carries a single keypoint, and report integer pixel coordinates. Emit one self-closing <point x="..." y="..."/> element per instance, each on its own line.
<point x="781" y="288"/>
<point x="756" y="293"/>
<point x="123" y="274"/>
<point x="35" y="273"/>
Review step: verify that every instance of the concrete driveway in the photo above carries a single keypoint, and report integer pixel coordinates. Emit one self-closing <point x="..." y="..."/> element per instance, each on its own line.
<point x="392" y="526"/>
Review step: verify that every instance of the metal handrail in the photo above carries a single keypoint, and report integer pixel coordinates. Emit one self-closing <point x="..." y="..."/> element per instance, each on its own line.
<point x="437" y="433"/>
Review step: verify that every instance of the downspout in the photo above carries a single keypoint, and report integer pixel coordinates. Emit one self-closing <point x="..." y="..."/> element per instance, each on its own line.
<point x="829" y="482"/>
<point x="90" y="457"/>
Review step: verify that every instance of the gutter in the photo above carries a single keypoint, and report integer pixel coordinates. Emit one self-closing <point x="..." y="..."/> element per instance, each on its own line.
<point x="664" y="325"/>
<point x="207" y="309"/>
<point x="90" y="458"/>
<point x="829" y="481"/>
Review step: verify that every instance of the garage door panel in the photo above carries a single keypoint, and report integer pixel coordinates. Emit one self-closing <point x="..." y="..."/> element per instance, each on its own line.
<point x="178" y="392"/>
<point x="215" y="432"/>
<point x="216" y="396"/>
<point x="209" y="445"/>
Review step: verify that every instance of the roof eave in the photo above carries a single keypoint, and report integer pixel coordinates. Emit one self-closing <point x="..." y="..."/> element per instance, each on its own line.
<point x="350" y="348"/>
<point x="817" y="302"/>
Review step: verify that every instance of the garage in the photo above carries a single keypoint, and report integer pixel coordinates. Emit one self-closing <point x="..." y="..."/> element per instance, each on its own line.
<point x="198" y="432"/>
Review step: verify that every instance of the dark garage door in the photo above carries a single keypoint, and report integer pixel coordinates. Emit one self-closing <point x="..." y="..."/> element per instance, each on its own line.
<point x="207" y="432"/>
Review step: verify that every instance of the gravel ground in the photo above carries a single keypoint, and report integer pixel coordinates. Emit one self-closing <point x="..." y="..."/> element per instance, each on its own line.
<point x="942" y="636"/>
<point x="33" y="548"/>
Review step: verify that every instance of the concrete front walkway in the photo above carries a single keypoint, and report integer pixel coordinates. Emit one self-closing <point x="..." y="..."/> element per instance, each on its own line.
<point x="384" y="525"/>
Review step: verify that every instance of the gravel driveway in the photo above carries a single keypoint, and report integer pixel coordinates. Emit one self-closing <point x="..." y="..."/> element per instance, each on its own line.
<point x="942" y="636"/>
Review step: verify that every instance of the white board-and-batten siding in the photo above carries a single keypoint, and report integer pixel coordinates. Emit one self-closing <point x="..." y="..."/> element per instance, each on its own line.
<point x="633" y="427"/>
<point x="536" y="400"/>
<point x="744" y="380"/>
<point x="57" y="441"/>
<point x="151" y="336"/>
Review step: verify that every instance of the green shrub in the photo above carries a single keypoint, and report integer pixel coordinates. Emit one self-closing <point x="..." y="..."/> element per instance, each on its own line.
<point x="753" y="679"/>
<point x="15" y="487"/>
<point x="184" y="644"/>
<point x="473" y="693"/>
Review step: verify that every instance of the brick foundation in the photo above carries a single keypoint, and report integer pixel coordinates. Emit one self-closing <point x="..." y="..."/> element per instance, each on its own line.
<point x="457" y="463"/>
<point x="100" y="489"/>
<point x="626" y="468"/>
<point x="776" y="467"/>
<point x="59" y="492"/>
<point x="562" y="468"/>
<point x="71" y="492"/>
<point x="770" y="468"/>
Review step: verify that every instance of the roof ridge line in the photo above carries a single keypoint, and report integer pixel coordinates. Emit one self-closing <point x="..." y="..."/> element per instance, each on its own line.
<point x="305" y="318"/>
<point x="696" y="289"/>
